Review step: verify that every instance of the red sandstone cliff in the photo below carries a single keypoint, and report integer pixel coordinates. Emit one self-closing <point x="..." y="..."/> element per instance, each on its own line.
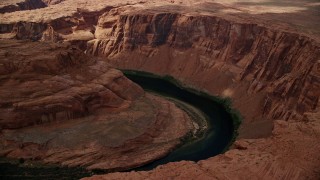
<point x="59" y="105"/>
<point x="65" y="98"/>
<point x="264" y="56"/>
<point x="21" y="5"/>
<point x="277" y="68"/>
<point x="280" y="65"/>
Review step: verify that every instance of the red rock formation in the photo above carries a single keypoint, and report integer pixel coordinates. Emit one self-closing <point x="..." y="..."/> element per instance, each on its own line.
<point x="52" y="2"/>
<point x="280" y="65"/>
<point x="271" y="67"/>
<point x="22" y="5"/>
<point x="67" y="98"/>
<point x="290" y="153"/>
<point x="265" y="56"/>
<point x="60" y="106"/>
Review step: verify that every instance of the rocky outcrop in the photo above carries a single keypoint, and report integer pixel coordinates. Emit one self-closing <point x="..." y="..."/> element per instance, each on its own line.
<point x="30" y="73"/>
<point x="52" y="2"/>
<point x="77" y="29"/>
<point x="22" y="5"/>
<point x="60" y="106"/>
<point x="269" y="73"/>
<point x="277" y="157"/>
<point x="273" y="67"/>
<point x="280" y="65"/>
<point x="265" y="56"/>
<point x="111" y="140"/>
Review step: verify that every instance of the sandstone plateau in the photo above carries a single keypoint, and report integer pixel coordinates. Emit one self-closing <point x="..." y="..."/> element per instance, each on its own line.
<point x="60" y="106"/>
<point x="263" y="54"/>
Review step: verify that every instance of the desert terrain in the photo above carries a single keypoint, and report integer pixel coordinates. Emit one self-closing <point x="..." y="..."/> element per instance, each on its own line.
<point x="264" y="55"/>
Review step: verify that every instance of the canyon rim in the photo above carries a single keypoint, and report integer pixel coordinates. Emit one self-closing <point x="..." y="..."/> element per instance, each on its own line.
<point x="64" y="101"/>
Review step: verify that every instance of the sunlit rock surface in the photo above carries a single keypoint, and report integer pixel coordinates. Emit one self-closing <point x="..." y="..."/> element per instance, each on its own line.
<point x="263" y="54"/>
<point x="60" y="106"/>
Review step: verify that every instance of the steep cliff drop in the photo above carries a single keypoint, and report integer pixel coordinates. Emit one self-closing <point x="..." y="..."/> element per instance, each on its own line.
<point x="264" y="55"/>
<point x="59" y="106"/>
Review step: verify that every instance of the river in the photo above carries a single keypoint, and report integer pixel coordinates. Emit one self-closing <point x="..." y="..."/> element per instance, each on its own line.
<point x="221" y="124"/>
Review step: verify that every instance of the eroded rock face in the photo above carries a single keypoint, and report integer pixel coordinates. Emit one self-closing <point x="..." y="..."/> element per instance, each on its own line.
<point x="60" y="106"/>
<point x="290" y="153"/>
<point x="269" y="73"/>
<point x="52" y="2"/>
<point x="278" y="69"/>
<point x="20" y="5"/>
<point x="265" y="56"/>
<point x="48" y="86"/>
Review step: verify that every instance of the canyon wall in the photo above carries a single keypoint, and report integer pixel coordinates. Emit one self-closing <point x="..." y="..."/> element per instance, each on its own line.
<point x="52" y="2"/>
<point x="279" y="69"/>
<point x="47" y="89"/>
<point x="265" y="56"/>
<point x="9" y="6"/>
<point x="61" y="106"/>
<point x="23" y="5"/>
<point x="270" y="74"/>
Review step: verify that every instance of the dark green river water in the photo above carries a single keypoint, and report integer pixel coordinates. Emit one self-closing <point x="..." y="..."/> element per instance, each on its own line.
<point x="222" y="123"/>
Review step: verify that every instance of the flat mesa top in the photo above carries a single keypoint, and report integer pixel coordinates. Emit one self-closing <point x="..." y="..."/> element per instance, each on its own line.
<point x="302" y="16"/>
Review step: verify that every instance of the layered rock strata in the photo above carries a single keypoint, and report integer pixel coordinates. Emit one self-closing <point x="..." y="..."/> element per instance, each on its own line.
<point x="264" y="55"/>
<point x="290" y="153"/>
<point x="8" y="6"/>
<point x="274" y="73"/>
<point x="270" y="74"/>
<point x="60" y="106"/>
